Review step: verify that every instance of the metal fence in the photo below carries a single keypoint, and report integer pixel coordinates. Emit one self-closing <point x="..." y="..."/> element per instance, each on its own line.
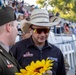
<point x="67" y="44"/>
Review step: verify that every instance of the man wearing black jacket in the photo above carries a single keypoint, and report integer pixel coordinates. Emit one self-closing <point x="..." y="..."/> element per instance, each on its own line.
<point x="37" y="47"/>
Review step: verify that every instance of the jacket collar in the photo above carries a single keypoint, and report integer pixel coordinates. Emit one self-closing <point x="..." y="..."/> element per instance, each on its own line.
<point x="7" y="55"/>
<point x="30" y="43"/>
<point x="4" y="46"/>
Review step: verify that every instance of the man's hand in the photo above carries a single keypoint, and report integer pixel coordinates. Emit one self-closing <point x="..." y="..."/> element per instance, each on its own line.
<point x="49" y="72"/>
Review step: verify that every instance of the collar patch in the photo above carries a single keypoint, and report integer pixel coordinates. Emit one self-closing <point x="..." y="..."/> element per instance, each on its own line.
<point x="27" y="54"/>
<point x="52" y="58"/>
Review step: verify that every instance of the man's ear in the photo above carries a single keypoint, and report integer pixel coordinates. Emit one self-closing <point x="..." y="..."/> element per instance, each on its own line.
<point x="8" y="27"/>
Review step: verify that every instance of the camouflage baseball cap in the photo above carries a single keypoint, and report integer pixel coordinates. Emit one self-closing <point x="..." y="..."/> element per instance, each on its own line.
<point x="6" y="15"/>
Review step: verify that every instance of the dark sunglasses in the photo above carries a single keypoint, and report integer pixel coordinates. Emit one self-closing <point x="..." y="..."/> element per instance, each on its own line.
<point x="40" y="30"/>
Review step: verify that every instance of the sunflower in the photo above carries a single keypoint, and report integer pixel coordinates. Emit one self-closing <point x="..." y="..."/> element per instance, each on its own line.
<point x="37" y="68"/>
<point x="23" y="72"/>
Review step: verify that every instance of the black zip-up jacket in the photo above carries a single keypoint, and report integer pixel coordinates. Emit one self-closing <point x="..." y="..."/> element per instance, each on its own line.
<point x="25" y="51"/>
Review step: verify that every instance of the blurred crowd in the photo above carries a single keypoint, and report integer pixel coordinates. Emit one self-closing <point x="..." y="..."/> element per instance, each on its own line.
<point x="23" y="11"/>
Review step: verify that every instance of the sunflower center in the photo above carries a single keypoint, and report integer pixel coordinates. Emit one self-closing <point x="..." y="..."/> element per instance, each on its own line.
<point x="37" y="69"/>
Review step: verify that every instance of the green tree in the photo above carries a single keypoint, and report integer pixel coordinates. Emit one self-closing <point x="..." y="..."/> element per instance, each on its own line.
<point x="66" y="8"/>
<point x="41" y="3"/>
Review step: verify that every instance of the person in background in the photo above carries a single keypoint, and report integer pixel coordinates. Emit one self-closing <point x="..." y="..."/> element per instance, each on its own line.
<point x="66" y="28"/>
<point x="20" y="17"/>
<point x="14" y="6"/>
<point x="66" y="65"/>
<point x="0" y="3"/>
<point x="8" y="33"/>
<point x="57" y="28"/>
<point x="25" y="33"/>
<point x="36" y="47"/>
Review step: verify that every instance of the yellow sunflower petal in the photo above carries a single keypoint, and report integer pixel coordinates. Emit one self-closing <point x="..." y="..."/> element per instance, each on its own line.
<point x="23" y="71"/>
<point x="18" y="74"/>
<point x="33" y="63"/>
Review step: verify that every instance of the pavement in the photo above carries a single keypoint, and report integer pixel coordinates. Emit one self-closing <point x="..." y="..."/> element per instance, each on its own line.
<point x="71" y="72"/>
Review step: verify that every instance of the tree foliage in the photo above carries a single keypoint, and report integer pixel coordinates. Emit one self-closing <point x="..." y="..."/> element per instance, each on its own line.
<point x="41" y="3"/>
<point x="66" y="8"/>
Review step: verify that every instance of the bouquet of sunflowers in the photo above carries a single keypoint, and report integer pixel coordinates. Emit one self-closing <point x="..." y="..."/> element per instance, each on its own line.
<point x="37" y="68"/>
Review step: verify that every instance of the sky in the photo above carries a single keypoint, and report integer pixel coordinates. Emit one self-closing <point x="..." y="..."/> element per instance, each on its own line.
<point x="31" y="2"/>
